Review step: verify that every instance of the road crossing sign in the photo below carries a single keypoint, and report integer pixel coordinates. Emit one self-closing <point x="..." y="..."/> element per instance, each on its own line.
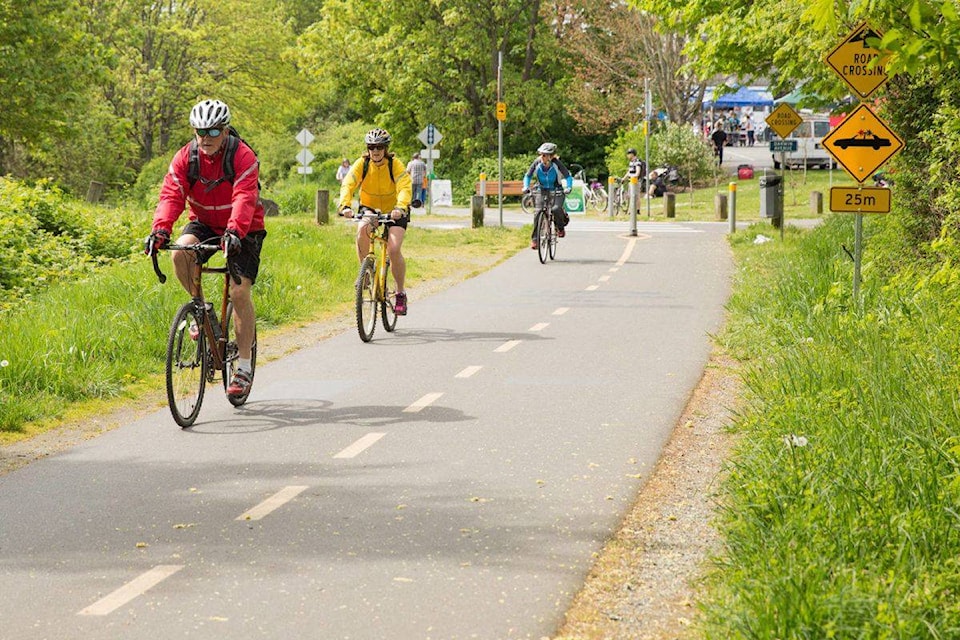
<point x="783" y="120"/>
<point x="862" y="143"/>
<point x="857" y="63"/>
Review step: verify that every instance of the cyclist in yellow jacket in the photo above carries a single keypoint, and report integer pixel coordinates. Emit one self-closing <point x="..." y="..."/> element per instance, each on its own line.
<point x="384" y="184"/>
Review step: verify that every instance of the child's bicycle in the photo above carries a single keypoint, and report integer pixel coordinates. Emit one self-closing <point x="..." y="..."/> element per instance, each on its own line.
<point x="199" y="345"/>
<point x="376" y="289"/>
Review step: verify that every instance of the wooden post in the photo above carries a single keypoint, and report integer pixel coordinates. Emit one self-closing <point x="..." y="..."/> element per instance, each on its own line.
<point x="94" y="192"/>
<point x="816" y="202"/>
<point x="323" y="206"/>
<point x="670" y="204"/>
<point x="720" y="205"/>
<point x="477" y="211"/>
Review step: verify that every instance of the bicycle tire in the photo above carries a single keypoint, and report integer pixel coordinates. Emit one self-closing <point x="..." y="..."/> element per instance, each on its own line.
<point x="623" y="201"/>
<point x="230" y="356"/>
<point x="528" y="203"/>
<point x="600" y="200"/>
<point x="388" y="313"/>
<point x="366" y="300"/>
<point x="543" y="236"/>
<point x="186" y="367"/>
<point x="552" y="242"/>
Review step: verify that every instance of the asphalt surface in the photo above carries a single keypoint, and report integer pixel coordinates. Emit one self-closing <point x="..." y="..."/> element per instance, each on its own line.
<point x="448" y="480"/>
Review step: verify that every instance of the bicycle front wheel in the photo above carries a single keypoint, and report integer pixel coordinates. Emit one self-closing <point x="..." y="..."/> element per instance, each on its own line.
<point x="186" y="365"/>
<point x="543" y="236"/>
<point x="366" y="300"/>
<point x="387" y="311"/>
<point x="231" y="354"/>
<point x="600" y="200"/>
<point x="623" y="201"/>
<point x="552" y="242"/>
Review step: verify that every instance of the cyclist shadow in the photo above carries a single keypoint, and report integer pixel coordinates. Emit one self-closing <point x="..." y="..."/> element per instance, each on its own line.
<point x="407" y="337"/>
<point x="258" y="416"/>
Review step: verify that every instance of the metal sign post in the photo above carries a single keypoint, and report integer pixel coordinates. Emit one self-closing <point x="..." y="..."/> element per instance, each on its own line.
<point x="500" y="134"/>
<point x="429" y="136"/>
<point x="648" y="107"/>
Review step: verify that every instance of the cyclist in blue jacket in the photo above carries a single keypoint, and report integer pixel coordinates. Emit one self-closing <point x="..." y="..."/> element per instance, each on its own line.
<point x="548" y="170"/>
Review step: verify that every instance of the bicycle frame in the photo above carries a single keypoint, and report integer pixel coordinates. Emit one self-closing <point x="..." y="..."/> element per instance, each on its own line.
<point x="373" y="289"/>
<point x="378" y="249"/>
<point x="198" y="250"/>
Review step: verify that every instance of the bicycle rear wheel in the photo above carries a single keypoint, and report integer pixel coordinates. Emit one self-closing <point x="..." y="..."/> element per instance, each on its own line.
<point x="543" y="235"/>
<point x="623" y="201"/>
<point x="387" y="311"/>
<point x="186" y="366"/>
<point x="600" y="200"/>
<point x="232" y="353"/>
<point x="366" y="300"/>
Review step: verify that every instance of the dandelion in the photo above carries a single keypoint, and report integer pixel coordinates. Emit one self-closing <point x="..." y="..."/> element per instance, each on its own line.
<point x="4" y="363"/>
<point x="299" y="287"/>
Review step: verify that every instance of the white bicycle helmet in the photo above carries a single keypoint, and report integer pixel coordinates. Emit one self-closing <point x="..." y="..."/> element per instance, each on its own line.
<point x="209" y="114"/>
<point x="377" y="136"/>
<point x="547" y="147"/>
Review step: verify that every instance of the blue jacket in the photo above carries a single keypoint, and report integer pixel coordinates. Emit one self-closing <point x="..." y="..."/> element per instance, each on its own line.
<point x="548" y="178"/>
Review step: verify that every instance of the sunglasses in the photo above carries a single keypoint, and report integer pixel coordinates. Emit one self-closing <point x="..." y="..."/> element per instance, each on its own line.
<point x="376" y="147"/>
<point x="213" y="133"/>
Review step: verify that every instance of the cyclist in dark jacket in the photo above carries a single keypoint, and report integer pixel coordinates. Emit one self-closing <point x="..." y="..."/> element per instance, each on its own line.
<point x="548" y="170"/>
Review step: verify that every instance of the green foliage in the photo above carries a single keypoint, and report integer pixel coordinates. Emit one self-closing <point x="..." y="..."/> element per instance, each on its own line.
<point x="840" y="507"/>
<point x="670" y="144"/>
<point x="44" y="237"/>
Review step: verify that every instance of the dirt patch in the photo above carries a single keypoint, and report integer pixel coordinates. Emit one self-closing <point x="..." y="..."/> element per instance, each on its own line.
<point x="643" y="584"/>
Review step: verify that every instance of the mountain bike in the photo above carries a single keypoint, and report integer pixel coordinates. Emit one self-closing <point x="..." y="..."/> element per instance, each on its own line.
<point x="376" y="289"/>
<point x="199" y="346"/>
<point x="543" y="223"/>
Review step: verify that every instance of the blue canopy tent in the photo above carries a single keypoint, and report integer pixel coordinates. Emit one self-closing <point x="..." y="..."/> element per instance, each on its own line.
<point x="742" y="97"/>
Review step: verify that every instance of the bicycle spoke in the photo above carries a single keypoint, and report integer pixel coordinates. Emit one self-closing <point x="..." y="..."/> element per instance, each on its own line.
<point x="186" y="367"/>
<point x="366" y="300"/>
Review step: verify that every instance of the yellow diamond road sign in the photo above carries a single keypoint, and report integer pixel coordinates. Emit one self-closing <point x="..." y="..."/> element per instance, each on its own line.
<point x="853" y="60"/>
<point x="862" y="143"/>
<point x="783" y="120"/>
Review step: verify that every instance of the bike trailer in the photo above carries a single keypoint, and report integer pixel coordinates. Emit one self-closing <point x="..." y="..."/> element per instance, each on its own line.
<point x="745" y="172"/>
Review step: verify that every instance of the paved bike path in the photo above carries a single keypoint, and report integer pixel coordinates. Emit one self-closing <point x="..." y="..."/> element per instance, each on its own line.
<point x="463" y="500"/>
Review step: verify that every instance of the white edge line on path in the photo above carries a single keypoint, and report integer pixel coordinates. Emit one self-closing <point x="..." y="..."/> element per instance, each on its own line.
<point x="360" y="445"/>
<point x="136" y="587"/>
<point x="273" y="503"/>
<point x="627" y="251"/>
<point x="468" y="371"/>
<point x="506" y="346"/>
<point x="423" y="402"/>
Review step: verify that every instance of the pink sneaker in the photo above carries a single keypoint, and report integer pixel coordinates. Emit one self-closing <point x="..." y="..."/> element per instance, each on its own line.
<point x="400" y="306"/>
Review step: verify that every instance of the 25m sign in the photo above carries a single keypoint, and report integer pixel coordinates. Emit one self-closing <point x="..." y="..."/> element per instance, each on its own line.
<point x="860" y="200"/>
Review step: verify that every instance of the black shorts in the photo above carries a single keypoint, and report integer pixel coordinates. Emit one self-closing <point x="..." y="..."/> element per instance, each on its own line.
<point x="402" y="221"/>
<point x="247" y="262"/>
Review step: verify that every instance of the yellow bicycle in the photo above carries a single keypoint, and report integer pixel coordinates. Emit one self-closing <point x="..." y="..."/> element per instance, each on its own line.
<point x="376" y="289"/>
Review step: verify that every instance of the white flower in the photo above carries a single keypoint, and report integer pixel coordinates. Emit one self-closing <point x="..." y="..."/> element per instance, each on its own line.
<point x="4" y="363"/>
<point x="795" y="441"/>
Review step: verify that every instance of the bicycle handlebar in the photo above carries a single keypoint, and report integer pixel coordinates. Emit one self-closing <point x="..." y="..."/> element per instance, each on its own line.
<point x="210" y="245"/>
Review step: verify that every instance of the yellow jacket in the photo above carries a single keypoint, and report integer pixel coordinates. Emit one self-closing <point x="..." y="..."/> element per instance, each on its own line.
<point x="377" y="190"/>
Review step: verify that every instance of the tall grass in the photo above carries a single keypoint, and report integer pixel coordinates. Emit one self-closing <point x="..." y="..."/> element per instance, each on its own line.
<point x="94" y="338"/>
<point x="842" y="507"/>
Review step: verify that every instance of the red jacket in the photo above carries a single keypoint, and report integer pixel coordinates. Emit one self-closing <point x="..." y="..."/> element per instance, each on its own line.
<point x="226" y="206"/>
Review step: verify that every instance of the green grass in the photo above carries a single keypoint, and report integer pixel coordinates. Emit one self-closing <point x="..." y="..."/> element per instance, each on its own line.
<point x="102" y="337"/>
<point x="842" y="508"/>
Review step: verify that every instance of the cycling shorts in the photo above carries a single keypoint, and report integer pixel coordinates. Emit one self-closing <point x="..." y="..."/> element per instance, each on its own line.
<point x="247" y="262"/>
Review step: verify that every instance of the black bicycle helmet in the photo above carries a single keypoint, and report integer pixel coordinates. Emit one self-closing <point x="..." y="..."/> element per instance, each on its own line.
<point x="632" y="150"/>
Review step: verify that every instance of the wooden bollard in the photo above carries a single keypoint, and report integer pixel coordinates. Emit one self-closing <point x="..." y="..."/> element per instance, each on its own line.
<point x="94" y="192"/>
<point x="720" y="205"/>
<point x="670" y="204"/>
<point x="323" y="206"/>
<point x="816" y="202"/>
<point x="477" y="211"/>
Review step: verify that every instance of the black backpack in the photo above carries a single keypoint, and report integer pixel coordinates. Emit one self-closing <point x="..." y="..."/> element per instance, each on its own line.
<point x="229" y="153"/>
<point x="366" y="167"/>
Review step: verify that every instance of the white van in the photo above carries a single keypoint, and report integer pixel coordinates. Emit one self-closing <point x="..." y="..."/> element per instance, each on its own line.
<point x="810" y="151"/>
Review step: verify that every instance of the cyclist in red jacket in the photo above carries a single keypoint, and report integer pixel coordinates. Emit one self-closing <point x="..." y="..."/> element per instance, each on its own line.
<point x="217" y="176"/>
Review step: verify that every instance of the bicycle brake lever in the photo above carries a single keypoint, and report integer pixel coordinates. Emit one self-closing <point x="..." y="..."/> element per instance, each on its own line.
<point x="156" y="269"/>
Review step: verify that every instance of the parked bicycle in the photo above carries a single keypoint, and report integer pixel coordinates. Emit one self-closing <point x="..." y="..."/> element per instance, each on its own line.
<point x="596" y="195"/>
<point x="376" y="289"/>
<point x="199" y="346"/>
<point x="621" y="196"/>
<point x="546" y="231"/>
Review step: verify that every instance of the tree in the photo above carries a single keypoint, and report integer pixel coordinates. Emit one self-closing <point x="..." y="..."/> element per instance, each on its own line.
<point x="615" y="47"/>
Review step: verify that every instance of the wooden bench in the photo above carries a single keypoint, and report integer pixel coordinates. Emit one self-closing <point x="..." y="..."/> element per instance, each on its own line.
<point x="510" y="188"/>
